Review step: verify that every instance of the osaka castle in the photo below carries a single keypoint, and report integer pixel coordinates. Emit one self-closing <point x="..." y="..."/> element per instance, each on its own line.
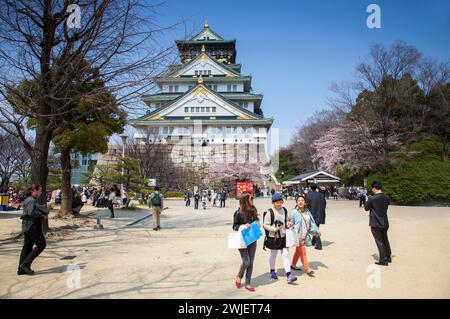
<point x="206" y="109"/>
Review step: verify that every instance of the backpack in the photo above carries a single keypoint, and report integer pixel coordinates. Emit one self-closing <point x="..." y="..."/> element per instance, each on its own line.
<point x="272" y="220"/>
<point x="156" y="200"/>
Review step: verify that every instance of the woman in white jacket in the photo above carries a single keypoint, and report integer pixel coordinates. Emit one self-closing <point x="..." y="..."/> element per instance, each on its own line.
<point x="305" y="226"/>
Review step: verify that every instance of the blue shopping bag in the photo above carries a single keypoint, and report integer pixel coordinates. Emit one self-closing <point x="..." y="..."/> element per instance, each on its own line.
<point x="251" y="234"/>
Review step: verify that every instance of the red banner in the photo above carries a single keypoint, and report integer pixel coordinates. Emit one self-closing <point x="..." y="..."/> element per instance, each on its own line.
<point x="244" y="187"/>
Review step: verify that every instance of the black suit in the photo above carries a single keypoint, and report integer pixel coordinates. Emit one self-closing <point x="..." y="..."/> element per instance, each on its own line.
<point x="223" y="196"/>
<point x="378" y="221"/>
<point x="317" y="204"/>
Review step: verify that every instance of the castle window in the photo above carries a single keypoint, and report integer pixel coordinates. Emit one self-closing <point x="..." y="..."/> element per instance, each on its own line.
<point x="186" y="110"/>
<point x="234" y="87"/>
<point x="192" y="109"/>
<point x="207" y="109"/>
<point x="213" y="109"/>
<point x="228" y="88"/>
<point x="202" y="109"/>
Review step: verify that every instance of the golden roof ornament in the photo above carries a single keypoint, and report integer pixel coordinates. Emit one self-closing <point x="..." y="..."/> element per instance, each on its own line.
<point x="203" y="48"/>
<point x="200" y="79"/>
<point x="206" y="24"/>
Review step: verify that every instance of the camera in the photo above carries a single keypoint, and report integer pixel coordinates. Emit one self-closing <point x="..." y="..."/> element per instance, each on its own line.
<point x="278" y="223"/>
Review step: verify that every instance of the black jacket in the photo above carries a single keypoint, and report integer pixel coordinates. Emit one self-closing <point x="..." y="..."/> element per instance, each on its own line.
<point x="378" y="205"/>
<point x="32" y="213"/>
<point x="238" y="220"/>
<point x="317" y="204"/>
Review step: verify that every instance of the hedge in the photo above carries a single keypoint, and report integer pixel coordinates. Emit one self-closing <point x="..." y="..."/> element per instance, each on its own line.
<point x="174" y="195"/>
<point x="418" y="180"/>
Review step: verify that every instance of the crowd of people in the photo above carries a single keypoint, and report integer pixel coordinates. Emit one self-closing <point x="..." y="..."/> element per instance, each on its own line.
<point x="110" y="197"/>
<point x="297" y="190"/>
<point x="305" y="219"/>
<point x="206" y="197"/>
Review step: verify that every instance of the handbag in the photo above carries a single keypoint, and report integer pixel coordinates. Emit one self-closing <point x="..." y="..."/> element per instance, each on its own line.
<point x="251" y="234"/>
<point x="235" y="239"/>
<point x="308" y="241"/>
<point x="292" y="238"/>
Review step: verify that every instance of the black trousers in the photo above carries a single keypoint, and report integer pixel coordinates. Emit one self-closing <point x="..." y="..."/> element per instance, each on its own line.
<point x="222" y="203"/>
<point x="248" y="256"/>
<point x="362" y="201"/>
<point x="32" y="237"/>
<point x="316" y="239"/>
<point x="188" y="202"/>
<point x="382" y="241"/>
<point x="196" y="204"/>
<point x="111" y="208"/>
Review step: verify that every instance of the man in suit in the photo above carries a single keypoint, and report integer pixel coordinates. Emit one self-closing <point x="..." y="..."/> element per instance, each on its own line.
<point x="187" y="197"/>
<point x="223" y="195"/>
<point x="317" y="204"/>
<point x="378" y="221"/>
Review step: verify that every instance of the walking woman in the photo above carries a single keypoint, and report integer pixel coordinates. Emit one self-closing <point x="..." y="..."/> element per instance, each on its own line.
<point x="305" y="226"/>
<point x="110" y="196"/>
<point x="196" y="199"/>
<point x="32" y="216"/>
<point x="245" y="215"/>
<point x="204" y="197"/>
<point x="275" y="222"/>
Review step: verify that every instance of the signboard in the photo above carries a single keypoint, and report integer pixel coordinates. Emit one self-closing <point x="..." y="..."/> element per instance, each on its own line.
<point x="152" y="182"/>
<point x="244" y="186"/>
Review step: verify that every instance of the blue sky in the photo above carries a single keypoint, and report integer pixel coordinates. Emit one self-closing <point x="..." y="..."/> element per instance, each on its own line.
<point x="296" y="49"/>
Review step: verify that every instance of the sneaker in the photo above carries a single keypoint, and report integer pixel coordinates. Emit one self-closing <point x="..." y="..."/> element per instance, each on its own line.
<point x="291" y="278"/>
<point x="273" y="275"/>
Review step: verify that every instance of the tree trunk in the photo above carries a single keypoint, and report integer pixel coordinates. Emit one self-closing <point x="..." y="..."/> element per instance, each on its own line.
<point x="39" y="168"/>
<point x="66" y="186"/>
<point x="4" y="185"/>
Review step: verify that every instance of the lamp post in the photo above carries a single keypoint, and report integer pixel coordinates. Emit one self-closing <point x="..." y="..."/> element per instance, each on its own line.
<point x="124" y="140"/>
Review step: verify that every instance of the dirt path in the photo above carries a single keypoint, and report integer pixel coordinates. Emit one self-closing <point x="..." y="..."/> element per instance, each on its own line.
<point x="189" y="258"/>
